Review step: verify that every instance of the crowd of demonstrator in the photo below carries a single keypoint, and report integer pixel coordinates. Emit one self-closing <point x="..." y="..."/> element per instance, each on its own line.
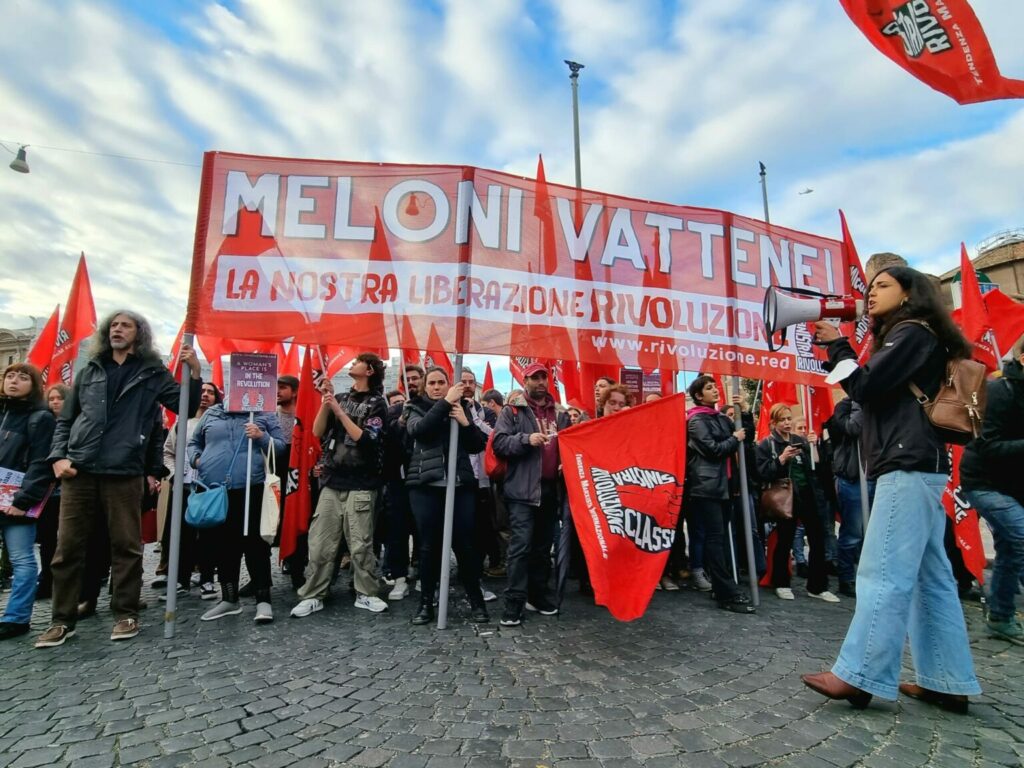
<point x="90" y="453"/>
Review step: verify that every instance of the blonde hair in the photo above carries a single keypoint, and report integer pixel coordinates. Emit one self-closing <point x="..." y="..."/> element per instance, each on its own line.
<point x="778" y="412"/>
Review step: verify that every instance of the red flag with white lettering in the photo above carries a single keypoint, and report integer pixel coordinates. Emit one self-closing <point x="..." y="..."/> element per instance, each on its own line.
<point x="940" y="42"/>
<point x="861" y="338"/>
<point x="974" y="315"/>
<point x="78" y="324"/>
<point x="964" y="517"/>
<point x="41" y="353"/>
<point x="305" y="452"/>
<point x="624" y="478"/>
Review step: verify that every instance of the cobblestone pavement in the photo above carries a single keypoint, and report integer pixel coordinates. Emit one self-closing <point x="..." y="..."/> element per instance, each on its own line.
<point x="687" y="685"/>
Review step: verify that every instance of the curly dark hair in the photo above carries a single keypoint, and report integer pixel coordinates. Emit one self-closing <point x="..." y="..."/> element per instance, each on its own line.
<point x="923" y="303"/>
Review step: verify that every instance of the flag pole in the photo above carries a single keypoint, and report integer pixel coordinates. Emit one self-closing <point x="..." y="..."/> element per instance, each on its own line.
<point x="449" y="513"/>
<point x="178" y="489"/>
<point x="748" y="529"/>
<point x="248" y="481"/>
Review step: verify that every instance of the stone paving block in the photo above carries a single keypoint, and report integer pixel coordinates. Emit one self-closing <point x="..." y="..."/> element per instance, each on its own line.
<point x="137" y="753"/>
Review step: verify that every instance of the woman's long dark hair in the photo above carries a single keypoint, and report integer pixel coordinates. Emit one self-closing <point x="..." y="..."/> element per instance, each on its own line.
<point x="922" y="303"/>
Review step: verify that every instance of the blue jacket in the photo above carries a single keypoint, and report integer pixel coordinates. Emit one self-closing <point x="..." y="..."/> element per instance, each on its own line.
<point x="215" y="439"/>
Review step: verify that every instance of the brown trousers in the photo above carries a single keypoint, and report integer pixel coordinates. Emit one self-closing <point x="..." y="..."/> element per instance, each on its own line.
<point x="83" y="497"/>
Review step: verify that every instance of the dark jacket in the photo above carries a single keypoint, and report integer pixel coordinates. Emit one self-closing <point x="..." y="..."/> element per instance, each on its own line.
<point x="768" y="465"/>
<point x="351" y="465"/>
<point x="995" y="461"/>
<point x="428" y="425"/>
<point x="844" y="429"/>
<point x="93" y="441"/>
<point x="25" y="436"/>
<point x="710" y="446"/>
<point x="219" y="437"/>
<point x="396" y="443"/>
<point x="897" y="434"/>
<point x="516" y="423"/>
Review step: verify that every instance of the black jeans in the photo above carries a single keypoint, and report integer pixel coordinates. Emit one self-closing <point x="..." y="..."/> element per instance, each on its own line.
<point x="46" y="538"/>
<point x="195" y="546"/>
<point x="805" y="510"/>
<point x="396" y="547"/>
<point x="712" y="515"/>
<point x="529" y="549"/>
<point x="427" y="503"/>
<point x="230" y="545"/>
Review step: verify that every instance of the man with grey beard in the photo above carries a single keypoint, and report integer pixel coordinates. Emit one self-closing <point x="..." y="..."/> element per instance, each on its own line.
<point x="99" y="455"/>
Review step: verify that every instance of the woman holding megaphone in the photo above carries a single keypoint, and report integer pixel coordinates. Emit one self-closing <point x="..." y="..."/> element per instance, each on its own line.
<point x="905" y="585"/>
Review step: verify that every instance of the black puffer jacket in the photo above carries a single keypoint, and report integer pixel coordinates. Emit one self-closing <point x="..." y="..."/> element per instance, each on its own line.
<point x="428" y="425"/>
<point x="897" y="434"/>
<point x="995" y="461"/>
<point x="710" y="446"/>
<point x="92" y="441"/>
<point x="25" y="436"/>
<point x="844" y="428"/>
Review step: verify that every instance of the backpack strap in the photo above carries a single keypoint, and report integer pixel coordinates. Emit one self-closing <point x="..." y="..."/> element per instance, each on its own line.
<point x="227" y="478"/>
<point x="915" y="390"/>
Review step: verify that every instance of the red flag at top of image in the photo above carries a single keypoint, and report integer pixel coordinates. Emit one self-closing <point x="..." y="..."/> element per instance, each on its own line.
<point x="305" y="452"/>
<point x="78" y="324"/>
<point x="42" y="351"/>
<point x="940" y="42"/>
<point x="862" y="339"/>
<point x="624" y="478"/>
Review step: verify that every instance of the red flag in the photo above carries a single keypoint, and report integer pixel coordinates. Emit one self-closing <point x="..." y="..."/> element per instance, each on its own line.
<point x="964" y="517"/>
<point x="335" y="357"/>
<point x="298" y="507"/>
<point x="668" y="382"/>
<point x="860" y="334"/>
<point x="408" y="344"/>
<point x="488" y="377"/>
<point x="974" y="315"/>
<point x="436" y="355"/>
<point x="41" y="353"/>
<point x="214" y="350"/>
<point x="1007" y="318"/>
<point x="78" y="323"/>
<point x="821" y="407"/>
<point x="624" y="478"/>
<point x="771" y="393"/>
<point x="942" y="44"/>
<point x="542" y="210"/>
<point x="290" y="366"/>
<point x="379" y="251"/>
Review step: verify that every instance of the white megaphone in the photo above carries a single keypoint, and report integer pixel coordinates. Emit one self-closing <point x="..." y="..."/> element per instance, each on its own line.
<point x="782" y="310"/>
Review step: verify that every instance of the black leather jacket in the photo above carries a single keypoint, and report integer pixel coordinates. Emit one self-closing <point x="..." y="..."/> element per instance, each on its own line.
<point x="710" y="446"/>
<point x="26" y="429"/>
<point x="428" y="424"/>
<point x="995" y="461"/>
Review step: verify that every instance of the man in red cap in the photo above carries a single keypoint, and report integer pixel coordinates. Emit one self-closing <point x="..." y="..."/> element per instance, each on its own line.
<point x="526" y="437"/>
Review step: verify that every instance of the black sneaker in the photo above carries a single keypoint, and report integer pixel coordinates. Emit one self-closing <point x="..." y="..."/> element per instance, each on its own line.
<point x="848" y="588"/>
<point x="10" y="629"/>
<point x="479" y="614"/>
<point x="513" y="615"/>
<point x="542" y="606"/>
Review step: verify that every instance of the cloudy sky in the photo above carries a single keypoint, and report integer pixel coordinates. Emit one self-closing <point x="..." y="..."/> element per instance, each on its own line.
<point x="679" y="102"/>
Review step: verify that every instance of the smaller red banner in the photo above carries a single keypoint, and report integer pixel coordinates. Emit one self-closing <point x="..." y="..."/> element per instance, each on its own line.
<point x="964" y="517"/>
<point x="624" y="477"/>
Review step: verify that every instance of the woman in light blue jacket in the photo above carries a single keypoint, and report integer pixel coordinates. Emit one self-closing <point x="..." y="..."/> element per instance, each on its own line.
<point x="217" y="451"/>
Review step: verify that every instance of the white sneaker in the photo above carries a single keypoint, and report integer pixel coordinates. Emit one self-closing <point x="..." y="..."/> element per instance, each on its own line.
<point x="400" y="590"/>
<point x="827" y="596"/>
<point x="207" y="591"/>
<point x="264" y="613"/>
<point x="489" y="597"/>
<point x="370" y="603"/>
<point x="306" y="607"/>
<point x="784" y="593"/>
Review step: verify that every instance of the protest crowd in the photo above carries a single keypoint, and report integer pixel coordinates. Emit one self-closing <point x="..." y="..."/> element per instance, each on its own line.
<point x="93" y="456"/>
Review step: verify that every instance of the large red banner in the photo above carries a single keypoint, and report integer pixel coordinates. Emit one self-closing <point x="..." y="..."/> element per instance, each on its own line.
<point x="624" y="476"/>
<point x="940" y="42"/>
<point x="338" y="252"/>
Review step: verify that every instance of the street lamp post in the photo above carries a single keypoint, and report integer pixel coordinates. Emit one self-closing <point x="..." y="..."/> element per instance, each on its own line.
<point x="574" y="77"/>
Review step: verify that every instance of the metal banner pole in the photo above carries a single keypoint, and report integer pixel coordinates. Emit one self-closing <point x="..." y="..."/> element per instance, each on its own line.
<point x="177" y="492"/>
<point x="248" y="479"/>
<point x="748" y="530"/>
<point x="449" y="515"/>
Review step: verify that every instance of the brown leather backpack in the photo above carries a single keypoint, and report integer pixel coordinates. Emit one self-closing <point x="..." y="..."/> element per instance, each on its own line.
<point x="958" y="407"/>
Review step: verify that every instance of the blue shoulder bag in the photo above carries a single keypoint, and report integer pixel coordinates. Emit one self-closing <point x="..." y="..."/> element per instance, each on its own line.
<point x="208" y="505"/>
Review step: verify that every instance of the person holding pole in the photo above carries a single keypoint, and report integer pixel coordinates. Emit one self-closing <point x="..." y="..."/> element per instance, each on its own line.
<point x="427" y="422"/>
<point x="214" y="451"/>
<point x="712" y="445"/>
<point x="100" y="459"/>
<point x="352" y="426"/>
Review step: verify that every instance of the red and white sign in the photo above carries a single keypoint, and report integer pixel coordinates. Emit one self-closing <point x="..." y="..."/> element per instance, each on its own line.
<point x="624" y="477"/>
<point x="286" y="249"/>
